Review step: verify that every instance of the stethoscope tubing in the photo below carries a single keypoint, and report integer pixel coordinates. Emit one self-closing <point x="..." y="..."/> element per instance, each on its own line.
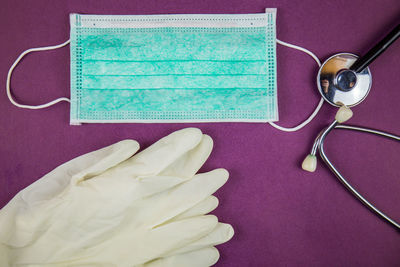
<point x="319" y="145"/>
<point x="378" y="49"/>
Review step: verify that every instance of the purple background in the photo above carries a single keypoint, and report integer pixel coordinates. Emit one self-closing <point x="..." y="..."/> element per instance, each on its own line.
<point x="282" y="215"/>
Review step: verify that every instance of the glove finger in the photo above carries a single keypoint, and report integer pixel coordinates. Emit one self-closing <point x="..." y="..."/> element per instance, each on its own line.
<point x="205" y="206"/>
<point x="55" y="181"/>
<point x="174" y="235"/>
<point x="222" y="233"/>
<point x="111" y="157"/>
<point x="170" y="203"/>
<point x="161" y="154"/>
<point x="183" y="168"/>
<point x="189" y="163"/>
<point x="129" y="190"/>
<point x="200" y="258"/>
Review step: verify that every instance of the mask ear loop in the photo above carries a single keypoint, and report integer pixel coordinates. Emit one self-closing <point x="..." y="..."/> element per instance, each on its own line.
<point x="321" y="101"/>
<point x="15" y="64"/>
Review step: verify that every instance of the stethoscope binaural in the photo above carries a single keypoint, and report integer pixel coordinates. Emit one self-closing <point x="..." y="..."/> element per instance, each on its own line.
<point x="344" y="80"/>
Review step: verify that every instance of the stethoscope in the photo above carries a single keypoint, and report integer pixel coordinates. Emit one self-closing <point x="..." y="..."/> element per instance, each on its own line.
<point x="344" y="80"/>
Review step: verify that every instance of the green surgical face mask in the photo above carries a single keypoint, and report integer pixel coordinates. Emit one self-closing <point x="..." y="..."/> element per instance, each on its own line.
<point x="173" y="68"/>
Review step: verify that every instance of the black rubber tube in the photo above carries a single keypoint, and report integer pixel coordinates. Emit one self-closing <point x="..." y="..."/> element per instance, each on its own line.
<point x="374" y="52"/>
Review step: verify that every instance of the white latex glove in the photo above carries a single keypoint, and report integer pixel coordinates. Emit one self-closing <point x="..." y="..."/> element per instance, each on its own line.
<point x="199" y="258"/>
<point x="199" y="253"/>
<point x="108" y="207"/>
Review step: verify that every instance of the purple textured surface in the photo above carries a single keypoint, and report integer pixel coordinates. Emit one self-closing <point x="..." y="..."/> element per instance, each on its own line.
<point x="282" y="215"/>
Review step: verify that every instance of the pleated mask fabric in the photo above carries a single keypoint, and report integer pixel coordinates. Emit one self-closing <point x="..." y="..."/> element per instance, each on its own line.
<point x="173" y="68"/>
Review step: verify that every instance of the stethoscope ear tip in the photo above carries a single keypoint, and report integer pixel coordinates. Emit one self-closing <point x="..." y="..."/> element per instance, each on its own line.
<point x="309" y="163"/>
<point x="343" y="114"/>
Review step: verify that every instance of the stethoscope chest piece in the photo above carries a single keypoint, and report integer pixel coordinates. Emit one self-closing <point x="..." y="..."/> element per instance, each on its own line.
<point x="339" y="85"/>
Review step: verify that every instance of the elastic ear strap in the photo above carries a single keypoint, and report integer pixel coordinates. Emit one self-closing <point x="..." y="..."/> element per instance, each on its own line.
<point x="321" y="101"/>
<point x="15" y="64"/>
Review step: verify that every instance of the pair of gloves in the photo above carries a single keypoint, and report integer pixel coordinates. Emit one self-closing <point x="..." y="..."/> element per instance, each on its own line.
<point x="113" y="207"/>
